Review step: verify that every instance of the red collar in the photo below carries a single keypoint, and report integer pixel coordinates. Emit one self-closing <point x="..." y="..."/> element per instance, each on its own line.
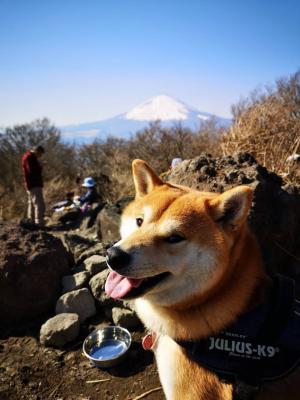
<point x="149" y="340"/>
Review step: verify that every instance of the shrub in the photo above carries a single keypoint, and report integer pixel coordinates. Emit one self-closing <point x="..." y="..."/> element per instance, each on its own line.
<point x="267" y="125"/>
<point x="60" y="161"/>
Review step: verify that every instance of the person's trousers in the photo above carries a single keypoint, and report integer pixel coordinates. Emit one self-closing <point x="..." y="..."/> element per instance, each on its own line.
<point x="36" y="205"/>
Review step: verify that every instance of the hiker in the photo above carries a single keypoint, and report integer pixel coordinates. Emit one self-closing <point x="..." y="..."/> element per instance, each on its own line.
<point x="68" y="202"/>
<point x="72" y="197"/>
<point x="90" y="196"/>
<point x="78" y="187"/>
<point x="32" y="173"/>
<point x="175" y="162"/>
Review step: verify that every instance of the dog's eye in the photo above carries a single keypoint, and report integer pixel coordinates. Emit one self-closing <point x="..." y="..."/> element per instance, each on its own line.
<point x="174" y="239"/>
<point x="139" y="221"/>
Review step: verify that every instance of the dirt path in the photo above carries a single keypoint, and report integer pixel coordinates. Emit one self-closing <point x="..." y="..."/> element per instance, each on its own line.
<point x="30" y="371"/>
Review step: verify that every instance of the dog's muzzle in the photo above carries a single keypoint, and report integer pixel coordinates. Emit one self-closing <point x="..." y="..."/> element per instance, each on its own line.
<point x="117" y="258"/>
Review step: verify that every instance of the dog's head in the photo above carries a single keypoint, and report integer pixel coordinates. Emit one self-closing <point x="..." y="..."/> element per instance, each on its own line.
<point x="177" y="243"/>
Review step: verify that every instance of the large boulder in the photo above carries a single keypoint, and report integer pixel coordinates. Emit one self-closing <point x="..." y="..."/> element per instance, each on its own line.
<point x="275" y="213"/>
<point x="90" y="216"/>
<point x="69" y="218"/>
<point x="31" y="266"/>
<point x="74" y="218"/>
<point x="108" y="220"/>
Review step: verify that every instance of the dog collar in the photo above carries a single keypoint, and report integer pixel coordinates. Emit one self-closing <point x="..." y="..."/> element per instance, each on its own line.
<point x="262" y="345"/>
<point x="149" y="341"/>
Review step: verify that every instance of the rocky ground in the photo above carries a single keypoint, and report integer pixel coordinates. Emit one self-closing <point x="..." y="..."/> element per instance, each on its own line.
<point x="31" y="371"/>
<point x="51" y="294"/>
<point x="51" y="287"/>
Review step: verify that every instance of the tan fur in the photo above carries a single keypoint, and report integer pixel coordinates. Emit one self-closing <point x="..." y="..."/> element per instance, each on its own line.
<point x="216" y="275"/>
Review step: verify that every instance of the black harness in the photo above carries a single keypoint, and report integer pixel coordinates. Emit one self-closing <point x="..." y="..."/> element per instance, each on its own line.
<point x="262" y="345"/>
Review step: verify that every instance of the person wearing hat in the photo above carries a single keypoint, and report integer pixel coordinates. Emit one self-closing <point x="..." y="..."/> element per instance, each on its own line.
<point x="91" y="196"/>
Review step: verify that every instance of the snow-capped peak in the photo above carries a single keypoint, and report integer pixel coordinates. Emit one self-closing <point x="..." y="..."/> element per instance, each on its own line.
<point x="161" y="108"/>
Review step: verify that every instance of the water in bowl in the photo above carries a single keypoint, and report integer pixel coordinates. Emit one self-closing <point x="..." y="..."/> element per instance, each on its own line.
<point x="108" y="349"/>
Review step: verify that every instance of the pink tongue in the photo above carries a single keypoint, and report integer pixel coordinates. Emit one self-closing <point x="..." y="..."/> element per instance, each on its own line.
<point x="117" y="286"/>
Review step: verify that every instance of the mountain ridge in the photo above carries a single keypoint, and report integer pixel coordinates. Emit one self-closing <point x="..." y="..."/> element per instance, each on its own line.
<point x="163" y="108"/>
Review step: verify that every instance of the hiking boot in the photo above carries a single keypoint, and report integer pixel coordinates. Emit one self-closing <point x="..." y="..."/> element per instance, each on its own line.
<point x="27" y="224"/>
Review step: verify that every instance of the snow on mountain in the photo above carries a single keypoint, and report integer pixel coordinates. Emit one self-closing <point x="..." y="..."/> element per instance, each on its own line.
<point x="163" y="108"/>
<point x="203" y="117"/>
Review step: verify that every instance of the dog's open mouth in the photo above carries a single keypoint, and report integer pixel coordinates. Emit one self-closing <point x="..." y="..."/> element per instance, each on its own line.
<point x="121" y="287"/>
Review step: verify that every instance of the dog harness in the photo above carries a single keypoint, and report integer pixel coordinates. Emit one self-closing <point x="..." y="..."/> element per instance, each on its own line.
<point x="262" y="345"/>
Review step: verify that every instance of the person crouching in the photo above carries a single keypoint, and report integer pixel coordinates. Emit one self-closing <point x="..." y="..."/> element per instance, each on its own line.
<point x="91" y="196"/>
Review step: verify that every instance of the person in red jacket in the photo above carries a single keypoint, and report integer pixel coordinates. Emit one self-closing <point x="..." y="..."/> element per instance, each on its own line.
<point x="32" y="173"/>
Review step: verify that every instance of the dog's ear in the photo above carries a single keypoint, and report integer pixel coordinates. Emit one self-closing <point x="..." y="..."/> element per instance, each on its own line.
<point x="231" y="208"/>
<point x="145" y="179"/>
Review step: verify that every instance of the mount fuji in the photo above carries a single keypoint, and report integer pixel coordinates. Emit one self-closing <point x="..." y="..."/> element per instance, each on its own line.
<point x="165" y="109"/>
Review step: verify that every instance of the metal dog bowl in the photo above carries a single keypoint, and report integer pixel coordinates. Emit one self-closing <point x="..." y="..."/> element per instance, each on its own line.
<point x="107" y="347"/>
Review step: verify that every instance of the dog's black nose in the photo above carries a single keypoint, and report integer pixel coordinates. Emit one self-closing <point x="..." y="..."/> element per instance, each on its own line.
<point x="117" y="258"/>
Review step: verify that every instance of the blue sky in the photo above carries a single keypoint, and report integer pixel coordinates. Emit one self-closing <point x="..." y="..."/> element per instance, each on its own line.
<point x="79" y="61"/>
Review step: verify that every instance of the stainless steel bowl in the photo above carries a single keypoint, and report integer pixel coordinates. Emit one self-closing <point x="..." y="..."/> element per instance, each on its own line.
<point x="107" y="347"/>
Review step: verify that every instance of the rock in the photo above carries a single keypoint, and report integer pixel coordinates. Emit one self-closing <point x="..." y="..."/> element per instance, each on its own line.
<point x="89" y="217"/>
<point x="109" y="224"/>
<point x="100" y="325"/>
<point x="79" y="301"/>
<point x="32" y="263"/>
<point x="108" y="220"/>
<point x="68" y="218"/>
<point x="96" y="249"/>
<point x="77" y="244"/>
<point x="74" y="218"/>
<point x="78" y="268"/>
<point x="129" y="304"/>
<point x="104" y="302"/>
<point x="126" y="318"/>
<point x="59" y="330"/>
<point x="97" y="284"/>
<point x="95" y="264"/>
<point x="76" y="281"/>
<point x="275" y="215"/>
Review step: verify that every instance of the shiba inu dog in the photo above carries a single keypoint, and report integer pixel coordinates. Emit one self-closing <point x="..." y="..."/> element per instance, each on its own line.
<point x="196" y="274"/>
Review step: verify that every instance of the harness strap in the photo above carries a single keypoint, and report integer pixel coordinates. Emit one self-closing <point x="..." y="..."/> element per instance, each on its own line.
<point x="243" y="391"/>
<point x="246" y="375"/>
<point x="282" y="300"/>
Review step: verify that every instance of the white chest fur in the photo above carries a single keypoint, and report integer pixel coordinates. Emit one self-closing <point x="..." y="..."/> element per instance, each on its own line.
<point x="165" y="353"/>
<point x="165" y="349"/>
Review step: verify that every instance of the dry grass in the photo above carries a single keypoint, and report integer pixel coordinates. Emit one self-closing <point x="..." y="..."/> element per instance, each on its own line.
<point x="12" y="202"/>
<point x="269" y="129"/>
